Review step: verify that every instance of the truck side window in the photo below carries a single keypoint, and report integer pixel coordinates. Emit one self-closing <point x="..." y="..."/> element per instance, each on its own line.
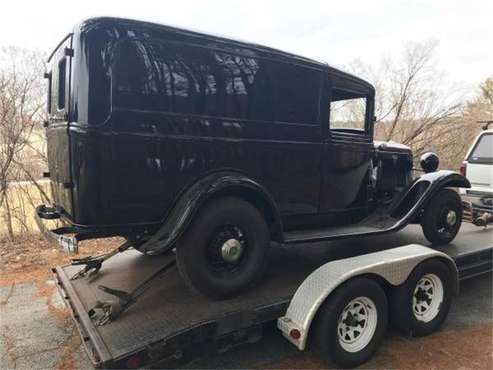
<point x="62" y="69"/>
<point x="483" y="151"/>
<point x="347" y="112"/>
<point x="49" y="93"/>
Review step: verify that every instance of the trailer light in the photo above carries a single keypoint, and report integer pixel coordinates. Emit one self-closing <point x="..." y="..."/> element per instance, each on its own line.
<point x="295" y="334"/>
<point x="463" y="168"/>
<point x="133" y="362"/>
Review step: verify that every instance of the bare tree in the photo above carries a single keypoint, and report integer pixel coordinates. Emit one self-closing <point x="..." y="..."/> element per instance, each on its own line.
<point x="21" y="102"/>
<point x="414" y="104"/>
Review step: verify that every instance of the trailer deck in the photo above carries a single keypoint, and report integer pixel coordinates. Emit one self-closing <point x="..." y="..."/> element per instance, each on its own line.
<point x="170" y="325"/>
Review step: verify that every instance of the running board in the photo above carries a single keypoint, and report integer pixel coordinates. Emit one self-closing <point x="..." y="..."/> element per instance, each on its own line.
<point x="342" y="232"/>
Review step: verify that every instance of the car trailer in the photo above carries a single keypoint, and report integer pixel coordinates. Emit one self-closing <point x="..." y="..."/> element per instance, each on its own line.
<point x="310" y="293"/>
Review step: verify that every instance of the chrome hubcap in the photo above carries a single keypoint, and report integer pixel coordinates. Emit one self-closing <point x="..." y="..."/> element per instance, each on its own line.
<point x="451" y="218"/>
<point x="231" y="250"/>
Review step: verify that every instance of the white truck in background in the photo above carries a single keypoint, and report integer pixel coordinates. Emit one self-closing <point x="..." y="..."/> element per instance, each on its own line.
<point x="478" y="168"/>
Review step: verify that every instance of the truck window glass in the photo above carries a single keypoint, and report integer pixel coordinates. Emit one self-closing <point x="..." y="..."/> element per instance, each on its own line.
<point x="348" y="114"/>
<point x="61" y="83"/>
<point x="49" y="93"/>
<point x="194" y="80"/>
<point x="483" y="152"/>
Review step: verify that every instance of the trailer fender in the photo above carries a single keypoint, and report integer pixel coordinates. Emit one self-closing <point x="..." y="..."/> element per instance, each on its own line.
<point x="393" y="265"/>
<point x="422" y="191"/>
<point x="190" y="201"/>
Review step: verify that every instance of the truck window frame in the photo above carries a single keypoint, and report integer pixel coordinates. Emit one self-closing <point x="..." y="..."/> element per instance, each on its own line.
<point x="353" y="130"/>
<point x="49" y="92"/>
<point x="62" y="82"/>
<point x="355" y="89"/>
<point x="479" y="160"/>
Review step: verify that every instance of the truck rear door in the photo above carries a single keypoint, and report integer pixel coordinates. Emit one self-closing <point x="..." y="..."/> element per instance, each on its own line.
<point x="57" y="130"/>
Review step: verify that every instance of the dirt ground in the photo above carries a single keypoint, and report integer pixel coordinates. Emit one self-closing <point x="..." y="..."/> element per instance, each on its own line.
<point x="31" y="258"/>
<point x="29" y="261"/>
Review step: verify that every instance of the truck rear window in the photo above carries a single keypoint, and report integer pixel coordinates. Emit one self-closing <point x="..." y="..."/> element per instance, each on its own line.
<point x="483" y="151"/>
<point x="62" y="70"/>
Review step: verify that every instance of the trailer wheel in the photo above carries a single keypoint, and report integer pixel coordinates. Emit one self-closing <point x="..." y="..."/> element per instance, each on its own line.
<point x="420" y="305"/>
<point x="224" y="250"/>
<point x="351" y="324"/>
<point x="442" y="217"/>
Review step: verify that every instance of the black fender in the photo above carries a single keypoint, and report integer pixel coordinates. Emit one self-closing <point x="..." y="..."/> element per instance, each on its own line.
<point x="422" y="190"/>
<point x="213" y="185"/>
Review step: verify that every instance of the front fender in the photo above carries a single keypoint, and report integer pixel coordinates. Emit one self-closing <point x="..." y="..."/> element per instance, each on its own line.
<point x="445" y="178"/>
<point x="180" y="216"/>
<point x="422" y="191"/>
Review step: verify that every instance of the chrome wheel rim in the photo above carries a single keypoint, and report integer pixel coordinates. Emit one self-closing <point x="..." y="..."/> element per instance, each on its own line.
<point x="231" y="250"/>
<point x="357" y="324"/>
<point x="451" y="218"/>
<point x="427" y="298"/>
<point x="227" y="249"/>
<point x="447" y="221"/>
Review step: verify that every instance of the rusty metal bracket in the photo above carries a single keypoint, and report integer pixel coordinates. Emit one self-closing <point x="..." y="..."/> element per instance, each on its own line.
<point x="92" y="264"/>
<point x="110" y="310"/>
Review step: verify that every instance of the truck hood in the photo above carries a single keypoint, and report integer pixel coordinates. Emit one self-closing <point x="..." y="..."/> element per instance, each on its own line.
<point x="391" y="146"/>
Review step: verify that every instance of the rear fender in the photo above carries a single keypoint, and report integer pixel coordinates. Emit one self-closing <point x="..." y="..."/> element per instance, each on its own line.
<point x="213" y="185"/>
<point x="422" y="191"/>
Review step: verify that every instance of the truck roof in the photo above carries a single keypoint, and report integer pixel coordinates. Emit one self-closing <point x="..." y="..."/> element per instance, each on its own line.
<point x="98" y="22"/>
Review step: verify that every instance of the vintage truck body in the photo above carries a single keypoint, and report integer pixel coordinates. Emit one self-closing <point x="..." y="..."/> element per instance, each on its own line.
<point x="148" y="124"/>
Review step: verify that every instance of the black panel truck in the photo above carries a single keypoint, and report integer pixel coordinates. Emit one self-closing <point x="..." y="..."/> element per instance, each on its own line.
<point x="144" y="315"/>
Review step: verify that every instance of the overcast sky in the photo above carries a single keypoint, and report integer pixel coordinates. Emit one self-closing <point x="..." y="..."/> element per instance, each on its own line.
<point x="332" y="31"/>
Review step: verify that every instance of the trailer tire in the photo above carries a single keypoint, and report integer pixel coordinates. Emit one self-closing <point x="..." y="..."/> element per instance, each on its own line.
<point x="335" y="336"/>
<point x="420" y="305"/>
<point x="442" y="217"/>
<point x="224" y="250"/>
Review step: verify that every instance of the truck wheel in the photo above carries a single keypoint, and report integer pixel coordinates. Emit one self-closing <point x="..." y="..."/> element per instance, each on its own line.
<point x="442" y="217"/>
<point x="420" y="305"/>
<point x="224" y="249"/>
<point x="351" y="324"/>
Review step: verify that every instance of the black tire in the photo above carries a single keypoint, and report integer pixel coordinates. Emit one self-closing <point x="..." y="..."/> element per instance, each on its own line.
<point x="199" y="254"/>
<point x="402" y="305"/>
<point x="434" y="222"/>
<point x="327" y="337"/>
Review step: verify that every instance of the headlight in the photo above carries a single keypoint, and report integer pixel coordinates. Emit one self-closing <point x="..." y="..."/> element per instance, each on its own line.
<point x="429" y="162"/>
